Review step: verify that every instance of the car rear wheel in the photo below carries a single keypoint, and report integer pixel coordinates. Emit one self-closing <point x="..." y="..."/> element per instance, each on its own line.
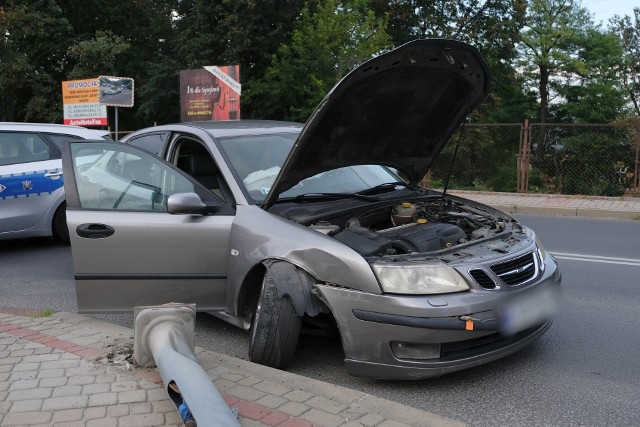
<point x="59" y="225"/>
<point x="275" y="328"/>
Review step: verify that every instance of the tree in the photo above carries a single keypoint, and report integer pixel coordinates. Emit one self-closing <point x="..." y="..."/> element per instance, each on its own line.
<point x="548" y="42"/>
<point x="324" y="45"/>
<point x="492" y="26"/>
<point x="35" y="37"/>
<point x="230" y="32"/>
<point x="592" y="92"/>
<point x="628" y="30"/>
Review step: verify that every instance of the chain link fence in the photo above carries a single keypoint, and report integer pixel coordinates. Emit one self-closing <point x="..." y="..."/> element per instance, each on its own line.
<point x="587" y="159"/>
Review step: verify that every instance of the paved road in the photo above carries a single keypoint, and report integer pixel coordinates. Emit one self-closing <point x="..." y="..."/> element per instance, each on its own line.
<point x="584" y="371"/>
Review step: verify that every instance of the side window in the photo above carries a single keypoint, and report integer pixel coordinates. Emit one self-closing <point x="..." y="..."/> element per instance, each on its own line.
<point x="58" y="139"/>
<point x="22" y="147"/>
<point x="121" y="178"/>
<point x="152" y="143"/>
<point x="192" y="157"/>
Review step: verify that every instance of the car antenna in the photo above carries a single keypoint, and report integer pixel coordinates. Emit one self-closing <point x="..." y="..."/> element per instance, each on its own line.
<point x="453" y="161"/>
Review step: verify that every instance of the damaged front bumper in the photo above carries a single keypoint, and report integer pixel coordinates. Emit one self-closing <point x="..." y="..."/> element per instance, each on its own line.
<point x="412" y="337"/>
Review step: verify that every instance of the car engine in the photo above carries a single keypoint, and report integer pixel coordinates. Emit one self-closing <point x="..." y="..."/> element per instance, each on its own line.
<point x="412" y="227"/>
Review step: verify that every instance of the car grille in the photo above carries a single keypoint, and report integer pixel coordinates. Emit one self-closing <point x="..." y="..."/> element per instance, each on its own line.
<point x="516" y="271"/>
<point x="482" y="345"/>
<point x="483" y="279"/>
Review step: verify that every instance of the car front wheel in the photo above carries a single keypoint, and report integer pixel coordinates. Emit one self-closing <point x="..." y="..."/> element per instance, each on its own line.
<point x="59" y="225"/>
<point x="275" y="328"/>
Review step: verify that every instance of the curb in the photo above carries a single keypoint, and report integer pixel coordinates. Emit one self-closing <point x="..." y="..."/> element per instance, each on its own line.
<point x="263" y="396"/>
<point x="557" y="204"/>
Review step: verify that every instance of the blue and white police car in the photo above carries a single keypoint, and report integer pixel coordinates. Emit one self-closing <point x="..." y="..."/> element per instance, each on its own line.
<point x="32" y="201"/>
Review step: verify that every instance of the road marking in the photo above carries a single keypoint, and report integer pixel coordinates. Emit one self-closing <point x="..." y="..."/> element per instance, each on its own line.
<point x="595" y="258"/>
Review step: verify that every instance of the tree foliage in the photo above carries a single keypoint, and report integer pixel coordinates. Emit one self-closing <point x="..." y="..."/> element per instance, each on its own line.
<point x="324" y="45"/>
<point x="548" y="61"/>
<point x="627" y="29"/>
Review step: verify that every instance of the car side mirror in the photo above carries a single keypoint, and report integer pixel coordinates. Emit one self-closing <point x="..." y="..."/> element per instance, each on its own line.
<point x="188" y="203"/>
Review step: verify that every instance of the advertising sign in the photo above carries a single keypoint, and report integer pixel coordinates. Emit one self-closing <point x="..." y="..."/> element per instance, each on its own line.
<point x="81" y="104"/>
<point x="210" y="93"/>
<point x="116" y="91"/>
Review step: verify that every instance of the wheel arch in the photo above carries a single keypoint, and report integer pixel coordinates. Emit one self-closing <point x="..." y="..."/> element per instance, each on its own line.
<point x="291" y="281"/>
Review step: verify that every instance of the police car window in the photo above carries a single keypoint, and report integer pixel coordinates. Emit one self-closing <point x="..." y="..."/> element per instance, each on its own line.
<point x="21" y="147"/>
<point x="152" y="143"/>
<point x="59" y="139"/>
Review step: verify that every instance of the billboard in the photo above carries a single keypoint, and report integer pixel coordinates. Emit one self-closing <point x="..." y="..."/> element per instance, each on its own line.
<point x="210" y="93"/>
<point x="116" y="91"/>
<point x="81" y="105"/>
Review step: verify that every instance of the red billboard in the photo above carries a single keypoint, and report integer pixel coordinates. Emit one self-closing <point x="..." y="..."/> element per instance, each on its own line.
<point x="210" y="93"/>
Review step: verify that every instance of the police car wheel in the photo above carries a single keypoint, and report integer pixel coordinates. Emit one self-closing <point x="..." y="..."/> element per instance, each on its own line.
<point x="60" y="229"/>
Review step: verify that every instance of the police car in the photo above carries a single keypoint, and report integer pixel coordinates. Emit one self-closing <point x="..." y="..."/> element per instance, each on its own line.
<point x="32" y="200"/>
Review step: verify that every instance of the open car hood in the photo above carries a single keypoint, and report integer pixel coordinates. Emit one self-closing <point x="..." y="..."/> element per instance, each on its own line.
<point x="398" y="109"/>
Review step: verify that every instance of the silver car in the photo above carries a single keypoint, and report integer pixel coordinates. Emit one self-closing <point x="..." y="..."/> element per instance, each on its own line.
<point x="271" y="224"/>
<point x="31" y="184"/>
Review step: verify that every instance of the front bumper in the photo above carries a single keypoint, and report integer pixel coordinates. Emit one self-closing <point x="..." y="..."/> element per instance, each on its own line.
<point x="370" y="323"/>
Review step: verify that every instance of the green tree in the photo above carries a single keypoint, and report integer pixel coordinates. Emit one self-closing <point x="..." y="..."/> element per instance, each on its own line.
<point x="628" y="30"/>
<point x="230" y="32"/>
<point x="548" y="43"/>
<point x="96" y="56"/>
<point x="32" y="62"/>
<point x="325" y="43"/>
<point x="593" y="92"/>
<point x="492" y="26"/>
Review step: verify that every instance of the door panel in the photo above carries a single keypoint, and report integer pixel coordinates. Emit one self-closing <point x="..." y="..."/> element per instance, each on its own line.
<point x="29" y="180"/>
<point x="127" y="249"/>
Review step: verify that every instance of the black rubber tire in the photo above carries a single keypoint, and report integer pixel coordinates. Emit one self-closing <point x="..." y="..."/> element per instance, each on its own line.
<point x="59" y="224"/>
<point x="275" y="328"/>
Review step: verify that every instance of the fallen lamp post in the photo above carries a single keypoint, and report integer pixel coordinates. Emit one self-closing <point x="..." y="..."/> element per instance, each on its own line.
<point x="164" y="337"/>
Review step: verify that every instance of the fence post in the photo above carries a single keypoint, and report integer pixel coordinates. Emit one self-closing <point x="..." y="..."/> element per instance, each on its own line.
<point x="636" y="179"/>
<point x="523" y="158"/>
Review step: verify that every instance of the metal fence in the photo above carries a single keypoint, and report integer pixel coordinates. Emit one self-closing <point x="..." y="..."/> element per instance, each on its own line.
<point x="587" y="159"/>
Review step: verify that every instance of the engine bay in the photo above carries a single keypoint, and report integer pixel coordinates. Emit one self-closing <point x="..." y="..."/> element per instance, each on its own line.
<point x="412" y="227"/>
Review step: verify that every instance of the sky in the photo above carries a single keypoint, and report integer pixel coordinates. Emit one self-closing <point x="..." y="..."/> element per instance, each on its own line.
<point x="605" y="9"/>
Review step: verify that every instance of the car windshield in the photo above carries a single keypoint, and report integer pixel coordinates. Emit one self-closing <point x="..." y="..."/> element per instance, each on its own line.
<point x="257" y="160"/>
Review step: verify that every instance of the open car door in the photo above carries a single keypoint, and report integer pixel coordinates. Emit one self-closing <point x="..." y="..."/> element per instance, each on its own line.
<point x="128" y="249"/>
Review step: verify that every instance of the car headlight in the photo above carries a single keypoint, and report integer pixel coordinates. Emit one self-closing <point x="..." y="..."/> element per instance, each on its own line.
<point x="422" y="279"/>
<point x="542" y="254"/>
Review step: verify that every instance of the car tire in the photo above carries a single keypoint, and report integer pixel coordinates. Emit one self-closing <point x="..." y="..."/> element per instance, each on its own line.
<point x="59" y="224"/>
<point x="275" y="328"/>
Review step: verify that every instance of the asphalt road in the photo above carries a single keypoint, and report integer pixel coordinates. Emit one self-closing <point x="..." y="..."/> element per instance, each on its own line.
<point x="584" y="371"/>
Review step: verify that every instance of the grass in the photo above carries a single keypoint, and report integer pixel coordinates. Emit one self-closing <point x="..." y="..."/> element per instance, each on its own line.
<point x="45" y="313"/>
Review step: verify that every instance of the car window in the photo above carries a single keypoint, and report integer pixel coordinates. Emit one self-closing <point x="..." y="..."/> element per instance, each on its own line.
<point x="152" y="143"/>
<point x="349" y="180"/>
<point x="58" y="139"/>
<point x="123" y="178"/>
<point x="23" y="147"/>
<point x="191" y="156"/>
<point x="257" y="159"/>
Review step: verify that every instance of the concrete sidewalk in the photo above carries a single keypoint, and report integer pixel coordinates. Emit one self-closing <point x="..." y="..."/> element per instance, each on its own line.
<point x="72" y="370"/>
<point x="555" y="204"/>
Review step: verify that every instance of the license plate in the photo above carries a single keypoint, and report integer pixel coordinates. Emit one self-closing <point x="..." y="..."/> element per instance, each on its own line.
<point x="527" y="309"/>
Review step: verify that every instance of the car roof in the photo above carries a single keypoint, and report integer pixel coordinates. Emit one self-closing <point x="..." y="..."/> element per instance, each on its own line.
<point x="52" y="128"/>
<point x="225" y="128"/>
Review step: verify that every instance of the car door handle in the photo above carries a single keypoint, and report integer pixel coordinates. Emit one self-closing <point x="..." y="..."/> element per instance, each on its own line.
<point x="94" y="231"/>
<point x="54" y="174"/>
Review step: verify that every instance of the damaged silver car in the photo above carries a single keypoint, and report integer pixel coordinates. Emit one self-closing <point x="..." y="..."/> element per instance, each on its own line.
<point x="271" y="224"/>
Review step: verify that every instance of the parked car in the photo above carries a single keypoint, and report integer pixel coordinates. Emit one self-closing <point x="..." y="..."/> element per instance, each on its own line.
<point x="271" y="224"/>
<point x="32" y="201"/>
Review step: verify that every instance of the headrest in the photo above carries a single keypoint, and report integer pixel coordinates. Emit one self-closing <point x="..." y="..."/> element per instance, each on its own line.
<point x="201" y="164"/>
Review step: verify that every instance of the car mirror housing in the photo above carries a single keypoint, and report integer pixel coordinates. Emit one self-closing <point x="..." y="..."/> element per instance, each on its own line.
<point x="188" y="203"/>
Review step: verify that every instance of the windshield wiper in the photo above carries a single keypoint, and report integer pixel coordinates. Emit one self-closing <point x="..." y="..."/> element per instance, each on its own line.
<point x="383" y="188"/>
<point x="328" y="196"/>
